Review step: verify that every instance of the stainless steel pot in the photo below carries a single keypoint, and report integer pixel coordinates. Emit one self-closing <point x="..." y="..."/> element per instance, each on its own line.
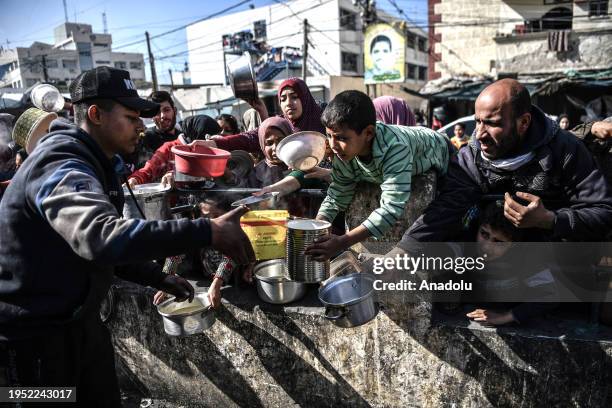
<point x="152" y="199"/>
<point x="300" y="234"/>
<point x="242" y="78"/>
<point x="349" y="301"/>
<point x="273" y="286"/>
<point x="185" y="318"/>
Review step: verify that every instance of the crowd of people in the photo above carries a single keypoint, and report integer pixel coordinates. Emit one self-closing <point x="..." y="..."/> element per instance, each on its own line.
<point x="63" y="237"/>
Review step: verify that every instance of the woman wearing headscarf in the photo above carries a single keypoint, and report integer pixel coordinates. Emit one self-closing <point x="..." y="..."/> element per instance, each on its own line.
<point x="297" y="106"/>
<point x="393" y="111"/>
<point x="159" y="166"/>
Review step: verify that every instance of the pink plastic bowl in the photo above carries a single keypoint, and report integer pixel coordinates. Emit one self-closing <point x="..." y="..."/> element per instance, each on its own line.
<point x="200" y="161"/>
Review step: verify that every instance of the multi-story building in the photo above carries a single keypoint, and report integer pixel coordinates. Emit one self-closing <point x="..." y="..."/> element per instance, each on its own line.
<point x="560" y="49"/>
<point x="76" y="49"/>
<point x="335" y="36"/>
<point x="485" y="37"/>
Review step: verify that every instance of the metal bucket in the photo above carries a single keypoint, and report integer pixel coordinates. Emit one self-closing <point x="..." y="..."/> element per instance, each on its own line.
<point x="273" y="286"/>
<point x="152" y="199"/>
<point x="349" y="301"/>
<point x="184" y="318"/>
<point x="300" y="234"/>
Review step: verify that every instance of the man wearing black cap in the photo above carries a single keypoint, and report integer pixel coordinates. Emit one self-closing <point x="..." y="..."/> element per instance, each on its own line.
<point x="62" y="237"/>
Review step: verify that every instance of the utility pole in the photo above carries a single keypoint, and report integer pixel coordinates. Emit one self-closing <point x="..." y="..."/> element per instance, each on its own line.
<point x="151" y="62"/>
<point x="305" y="51"/>
<point x="44" y="67"/>
<point x="104" y="23"/>
<point x="171" y="80"/>
<point x="65" y="11"/>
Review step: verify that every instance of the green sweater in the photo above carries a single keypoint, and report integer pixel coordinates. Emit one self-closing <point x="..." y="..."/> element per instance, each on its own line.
<point x="398" y="153"/>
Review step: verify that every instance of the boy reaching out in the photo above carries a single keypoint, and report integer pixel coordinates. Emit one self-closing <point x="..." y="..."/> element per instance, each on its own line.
<point x="365" y="150"/>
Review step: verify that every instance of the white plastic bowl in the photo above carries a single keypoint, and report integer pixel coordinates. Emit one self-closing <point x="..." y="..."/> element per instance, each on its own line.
<point x="302" y="150"/>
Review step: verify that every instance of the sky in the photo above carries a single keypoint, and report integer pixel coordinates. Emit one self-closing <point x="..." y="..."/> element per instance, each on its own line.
<point x="24" y="21"/>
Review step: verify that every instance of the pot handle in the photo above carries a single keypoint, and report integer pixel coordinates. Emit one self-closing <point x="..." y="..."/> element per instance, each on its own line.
<point x="341" y="313"/>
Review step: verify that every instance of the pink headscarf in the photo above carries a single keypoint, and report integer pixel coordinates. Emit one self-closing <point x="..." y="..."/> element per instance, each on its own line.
<point x="311" y="112"/>
<point x="277" y="122"/>
<point x="393" y="111"/>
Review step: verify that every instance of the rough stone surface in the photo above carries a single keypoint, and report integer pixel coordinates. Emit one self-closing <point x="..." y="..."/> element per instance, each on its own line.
<point x="367" y="199"/>
<point x="266" y="355"/>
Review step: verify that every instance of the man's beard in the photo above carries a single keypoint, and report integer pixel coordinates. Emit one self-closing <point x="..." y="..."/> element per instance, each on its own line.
<point x="170" y="127"/>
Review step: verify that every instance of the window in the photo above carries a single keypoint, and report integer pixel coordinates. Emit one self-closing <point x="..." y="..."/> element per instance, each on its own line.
<point x="423" y="73"/>
<point x="349" y="61"/>
<point x="598" y="8"/>
<point x="102" y="62"/>
<point x="85" y="53"/>
<point x="411" y="71"/>
<point x="348" y="20"/>
<point x="422" y="44"/>
<point x="135" y="65"/>
<point x="101" y="45"/>
<point x="410" y="40"/>
<point x="51" y="63"/>
<point x="69" y="64"/>
<point x="121" y="64"/>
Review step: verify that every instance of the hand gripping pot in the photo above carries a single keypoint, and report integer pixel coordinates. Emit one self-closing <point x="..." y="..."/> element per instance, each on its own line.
<point x="200" y="161"/>
<point x="184" y="318"/>
<point x="350" y="300"/>
<point x="242" y="78"/>
<point x="300" y="234"/>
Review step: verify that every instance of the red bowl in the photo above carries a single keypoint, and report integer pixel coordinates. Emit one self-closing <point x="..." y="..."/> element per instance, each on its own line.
<point x="200" y="161"/>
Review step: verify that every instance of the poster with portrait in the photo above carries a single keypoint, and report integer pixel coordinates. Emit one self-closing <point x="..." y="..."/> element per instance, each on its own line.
<point x="384" y="54"/>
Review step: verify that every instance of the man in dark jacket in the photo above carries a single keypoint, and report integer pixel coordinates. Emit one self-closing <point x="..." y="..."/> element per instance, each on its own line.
<point x="546" y="176"/>
<point x="62" y="237"/>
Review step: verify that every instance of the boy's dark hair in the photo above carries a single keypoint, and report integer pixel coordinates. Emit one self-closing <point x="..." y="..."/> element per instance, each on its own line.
<point x="161" y="96"/>
<point x="493" y="215"/>
<point x="352" y="109"/>
<point x="380" y="38"/>
<point x="226" y="117"/>
<point x="461" y="125"/>
<point x="80" y="108"/>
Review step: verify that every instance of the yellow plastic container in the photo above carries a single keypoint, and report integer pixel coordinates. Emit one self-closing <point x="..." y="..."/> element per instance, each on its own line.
<point x="267" y="232"/>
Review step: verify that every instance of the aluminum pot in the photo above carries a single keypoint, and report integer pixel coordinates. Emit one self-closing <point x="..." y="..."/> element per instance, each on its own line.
<point x="300" y="234"/>
<point x="152" y="199"/>
<point x="349" y="300"/>
<point x="273" y="286"/>
<point x="185" y="318"/>
<point x="242" y="78"/>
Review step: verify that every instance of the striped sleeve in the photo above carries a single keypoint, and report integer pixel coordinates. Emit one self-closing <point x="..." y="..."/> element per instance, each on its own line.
<point x="340" y="192"/>
<point x="397" y="163"/>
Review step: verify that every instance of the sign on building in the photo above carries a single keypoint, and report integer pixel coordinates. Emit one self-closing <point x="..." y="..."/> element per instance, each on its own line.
<point x="384" y="54"/>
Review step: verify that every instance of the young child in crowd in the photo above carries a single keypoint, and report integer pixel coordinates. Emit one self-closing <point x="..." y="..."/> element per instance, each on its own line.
<point x="495" y="236"/>
<point x="459" y="139"/>
<point x="387" y="155"/>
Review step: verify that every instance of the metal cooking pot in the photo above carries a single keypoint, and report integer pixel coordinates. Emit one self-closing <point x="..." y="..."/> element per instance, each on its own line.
<point x="300" y="234"/>
<point x="263" y="202"/>
<point x="349" y="301"/>
<point x="242" y="78"/>
<point x="152" y="199"/>
<point x="273" y="286"/>
<point x="184" y="318"/>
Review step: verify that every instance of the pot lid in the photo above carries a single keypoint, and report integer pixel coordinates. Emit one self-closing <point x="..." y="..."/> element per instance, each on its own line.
<point x="347" y="290"/>
<point x="253" y="199"/>
<point x="149" y="188"/>
<point x="308" y="225"/>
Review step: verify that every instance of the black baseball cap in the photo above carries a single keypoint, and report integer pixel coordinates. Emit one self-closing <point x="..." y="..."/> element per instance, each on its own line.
<point x="111" y="83"/>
